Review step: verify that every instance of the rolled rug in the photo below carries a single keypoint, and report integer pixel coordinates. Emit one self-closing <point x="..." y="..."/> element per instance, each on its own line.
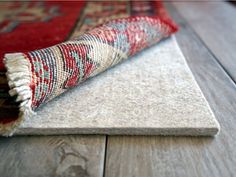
<point x="38" y="76"/>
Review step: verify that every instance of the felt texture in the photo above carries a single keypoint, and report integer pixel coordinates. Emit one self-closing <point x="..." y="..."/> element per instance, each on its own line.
<point x="153" y="93"/>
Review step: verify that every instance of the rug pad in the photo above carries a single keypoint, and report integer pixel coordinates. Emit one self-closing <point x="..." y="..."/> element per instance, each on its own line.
<point x="154" y="93"/>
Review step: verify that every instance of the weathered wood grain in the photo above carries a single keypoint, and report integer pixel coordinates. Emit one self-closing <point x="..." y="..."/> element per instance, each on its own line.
<point x="215" y="23"/>
<point x="184" y="156"/>
<point x="52" y="156"/>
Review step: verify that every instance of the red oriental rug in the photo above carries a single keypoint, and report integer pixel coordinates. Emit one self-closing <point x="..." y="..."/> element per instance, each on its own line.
<point x="98" y="35"/>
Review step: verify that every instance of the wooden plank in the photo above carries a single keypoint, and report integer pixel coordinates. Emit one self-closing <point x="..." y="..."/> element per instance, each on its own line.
<point x="184" y="156"/>
<point x="215" y="23"/>
<point x="52" y="156"/>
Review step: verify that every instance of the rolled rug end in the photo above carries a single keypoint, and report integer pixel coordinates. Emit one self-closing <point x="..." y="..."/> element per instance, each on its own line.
<point x="19" y="80"/>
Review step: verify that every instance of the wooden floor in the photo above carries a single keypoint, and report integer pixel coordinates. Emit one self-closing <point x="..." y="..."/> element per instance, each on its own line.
<point x="208" y="41"/>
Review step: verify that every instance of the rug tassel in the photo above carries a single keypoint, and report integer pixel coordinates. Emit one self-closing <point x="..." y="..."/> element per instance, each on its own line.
<point x="19" y="79"/>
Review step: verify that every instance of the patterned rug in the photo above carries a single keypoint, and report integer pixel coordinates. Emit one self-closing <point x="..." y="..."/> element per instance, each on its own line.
<point x="98" y="36"/>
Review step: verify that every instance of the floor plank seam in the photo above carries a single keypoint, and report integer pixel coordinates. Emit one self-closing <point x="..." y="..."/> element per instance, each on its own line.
<point x="205" y="45"/>
<point x="214" y="56"/>
<point x="105" y="157"/>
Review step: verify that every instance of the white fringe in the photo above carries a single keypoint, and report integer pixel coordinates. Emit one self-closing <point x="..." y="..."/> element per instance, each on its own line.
<point x="19" y="79"/>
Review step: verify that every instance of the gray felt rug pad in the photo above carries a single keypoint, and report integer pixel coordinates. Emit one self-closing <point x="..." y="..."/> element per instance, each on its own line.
<point x="153" y="93"/>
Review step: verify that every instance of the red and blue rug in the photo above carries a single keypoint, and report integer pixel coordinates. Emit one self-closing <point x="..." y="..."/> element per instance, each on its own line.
<point x="54" y="46"/>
